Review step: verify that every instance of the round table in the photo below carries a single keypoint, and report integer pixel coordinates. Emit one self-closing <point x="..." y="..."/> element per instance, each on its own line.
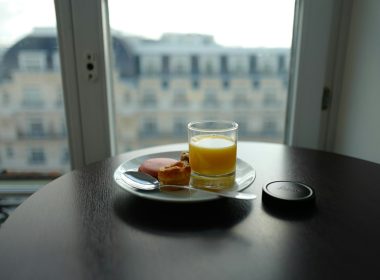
<point x="84" y="226"/>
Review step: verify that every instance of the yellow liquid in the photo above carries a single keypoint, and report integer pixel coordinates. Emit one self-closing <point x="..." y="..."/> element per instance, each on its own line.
<point x="212" y="155"/>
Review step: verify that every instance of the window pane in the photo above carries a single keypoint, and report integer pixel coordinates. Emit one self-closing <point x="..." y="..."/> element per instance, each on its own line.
<point x="33" y="138"/>
<point x="191" y="60"/>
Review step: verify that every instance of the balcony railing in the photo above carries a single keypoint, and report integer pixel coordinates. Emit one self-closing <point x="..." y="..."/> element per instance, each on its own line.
<point x="24" y="135"/>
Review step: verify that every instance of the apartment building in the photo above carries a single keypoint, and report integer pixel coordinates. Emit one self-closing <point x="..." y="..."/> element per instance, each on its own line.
<point x="159" y="86"/>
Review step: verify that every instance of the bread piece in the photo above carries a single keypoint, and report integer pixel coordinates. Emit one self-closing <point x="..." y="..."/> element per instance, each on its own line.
<point x="152" y="165"/>
<point x="175" y="174"/>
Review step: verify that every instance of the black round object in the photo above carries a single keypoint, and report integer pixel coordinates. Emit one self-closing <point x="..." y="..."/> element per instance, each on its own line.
<point x="288" y="193"/>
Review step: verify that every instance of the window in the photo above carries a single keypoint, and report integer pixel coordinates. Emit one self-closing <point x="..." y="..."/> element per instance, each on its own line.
<point x="36" y="128"/>
<point x="195" y="84"/>
<point x="65" y="156"/>
<point x="9" y="152"/>
<point x="165" y="64"/>
<point x="210" y="52"/>
<point x="56" y="62"/>
<point x="151" y="65"/>
<point x="32" y="97"/>
<point x="239" y="64"/>
<point x="180" y="127"/>
<point x="5" y="99"/>
<point x="180" y="98"/>
<point x="269" y="128"/>
<point x="210" y="62"/>
<point x="211" y="100"/>
<point x="32" y="61"/>
<point x="30" y="90"/>
<point x="241" y="100"/>
<point x="148" y="99"/>
<point x="165" y="84"/>
<point x="180" y="64"/>
<point x="59" y="98"/>
<point x="256" y="83"/>
<point x="36" y="156"/>
<point x="149" y="128"/>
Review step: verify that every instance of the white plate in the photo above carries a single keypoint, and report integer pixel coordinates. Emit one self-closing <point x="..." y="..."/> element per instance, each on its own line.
<point x="245" y="175"/>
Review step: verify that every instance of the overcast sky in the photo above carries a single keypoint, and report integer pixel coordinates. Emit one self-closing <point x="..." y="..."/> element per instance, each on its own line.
<point x="243" y="23"/>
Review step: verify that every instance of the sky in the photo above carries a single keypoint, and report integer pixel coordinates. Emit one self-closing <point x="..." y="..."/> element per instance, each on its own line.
<point x="239" y="23"/>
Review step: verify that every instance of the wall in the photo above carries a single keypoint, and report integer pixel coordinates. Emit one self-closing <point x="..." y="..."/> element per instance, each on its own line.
<point x="358" y="122"/>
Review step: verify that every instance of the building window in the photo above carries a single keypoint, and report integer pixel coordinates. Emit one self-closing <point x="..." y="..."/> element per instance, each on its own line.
<point x="210" y="100"/>
<point x="226" y="84"/>
<point x="210" y="64"/>
<point x="149" y="99"/>
<point x="36" y="128"/>
<point x="165" y="64"/>
<point x="243" y="128"/>
<point x="151" y="65"/>
<point x="270" y="128"/>
<point x="65" y="158"/>
<point x="56" y="62"/>
<point x="223" y="64"/>
<point x="194" y="65"/>
<point x="180" y="98"/>
<point x="267" y="64"/>
<point x="32" y="61"/>
<point x="179" y="127"/>
<point x="281" y="64"/>
<point x="32" y="98"/>
<point x="256" y="83"/>
<point x="253" y="64"/>
<point x="195" y="84"/>
<point x="270" y="99"/>
<point x="239" y="64"/>
<point x="59" y="99"/>
<point x="127" y="97"/>
<point x="63" y="128"/>
<point x="36" y="156"/>
<point x="9" y="152"/>
<point x="285" y="82"/>
<point x="149" y="128"/>
<point x="240" y="100"/>
<point x="136" y="61"/>
<point x="165" y="84"/>
<point x="209" y="68"/>
<point x="180" y="64"/>
<point x="5" y="98"/>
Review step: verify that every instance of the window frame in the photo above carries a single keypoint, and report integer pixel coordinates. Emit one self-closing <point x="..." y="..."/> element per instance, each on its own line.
<point x="317" y="61"/>
<point x="87" y="94"/>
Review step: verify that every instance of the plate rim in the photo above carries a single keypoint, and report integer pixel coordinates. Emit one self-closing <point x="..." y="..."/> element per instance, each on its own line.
<point x="149" y="196"/>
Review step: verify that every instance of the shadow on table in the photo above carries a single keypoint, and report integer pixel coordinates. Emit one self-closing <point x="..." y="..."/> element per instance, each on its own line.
<point x="155" y="215"/>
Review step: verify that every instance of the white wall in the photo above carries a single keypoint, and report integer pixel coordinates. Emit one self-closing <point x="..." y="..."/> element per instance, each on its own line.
<point x="358" y="122"/>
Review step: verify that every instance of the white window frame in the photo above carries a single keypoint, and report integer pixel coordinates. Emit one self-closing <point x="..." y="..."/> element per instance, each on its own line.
<point x="319" y="45"/>
<point x="84" y="37"/>
<point x="83" y="28"/>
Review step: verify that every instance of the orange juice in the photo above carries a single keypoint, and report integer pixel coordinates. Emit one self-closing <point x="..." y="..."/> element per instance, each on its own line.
<point x="212" y="155"/>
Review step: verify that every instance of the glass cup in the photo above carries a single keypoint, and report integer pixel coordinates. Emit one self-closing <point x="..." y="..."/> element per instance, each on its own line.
<point x="212" y="153"/>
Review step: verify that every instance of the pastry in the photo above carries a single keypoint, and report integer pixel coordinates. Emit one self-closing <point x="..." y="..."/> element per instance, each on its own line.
<point x="175" y="174"/>
<point x="152" y="165"/>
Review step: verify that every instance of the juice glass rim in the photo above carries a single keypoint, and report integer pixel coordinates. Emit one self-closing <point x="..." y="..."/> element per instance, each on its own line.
<point x="231" y="126"/>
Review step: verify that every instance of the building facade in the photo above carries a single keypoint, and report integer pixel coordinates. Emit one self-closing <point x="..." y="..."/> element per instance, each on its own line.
<point x="159" y="86"/>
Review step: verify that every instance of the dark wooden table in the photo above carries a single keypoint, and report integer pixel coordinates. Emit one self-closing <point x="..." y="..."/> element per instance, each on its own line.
<point x="83" y="226"/>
